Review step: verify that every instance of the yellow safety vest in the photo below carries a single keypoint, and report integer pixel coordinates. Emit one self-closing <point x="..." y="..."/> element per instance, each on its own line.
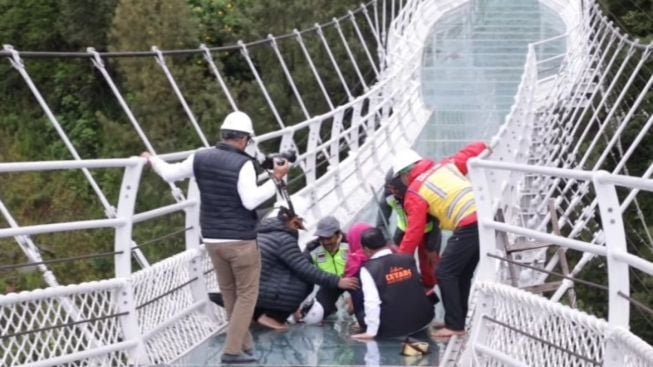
<point x="333" y="264"/>
<point x="402" y="218"/>
<point x="448" y="193"/>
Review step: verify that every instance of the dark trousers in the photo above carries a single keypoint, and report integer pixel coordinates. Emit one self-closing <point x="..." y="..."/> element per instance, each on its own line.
<point x="328" y="298"/>
<point x="455" y="273"/>
<point x="278" y="315"/>
<point x="359" y="307"/>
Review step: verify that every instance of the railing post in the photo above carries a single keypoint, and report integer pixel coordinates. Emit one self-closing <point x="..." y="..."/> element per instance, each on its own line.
<point x="618" y="277"/>
<point x="488" y="268"/>
<point x="126" y="203"/>
<point x="480" y="330"/>
<point x="192" y="223"/>
<point x="129" y="324"/>
<point x="123" y="239"/>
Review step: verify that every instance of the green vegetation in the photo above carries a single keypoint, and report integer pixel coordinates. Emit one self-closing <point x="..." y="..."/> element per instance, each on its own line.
<point x="99" y="128"/>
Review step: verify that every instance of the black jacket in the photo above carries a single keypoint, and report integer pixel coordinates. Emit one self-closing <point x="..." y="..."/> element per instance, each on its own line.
<point x="287" y="275"/>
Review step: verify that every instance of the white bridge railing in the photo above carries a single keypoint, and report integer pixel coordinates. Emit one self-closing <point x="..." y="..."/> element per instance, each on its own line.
<point x="548" y="184"/>
<point x="156" y="314"/>
<point x="515" y="327"/>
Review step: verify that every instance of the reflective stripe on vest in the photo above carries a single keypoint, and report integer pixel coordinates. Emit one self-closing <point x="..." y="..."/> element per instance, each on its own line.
<point x="402" y="217"/>
<point x="448" y="193"/>
<point x="332" y="264"/>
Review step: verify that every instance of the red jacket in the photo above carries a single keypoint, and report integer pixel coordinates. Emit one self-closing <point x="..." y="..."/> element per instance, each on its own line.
<point x="416" y="207"/>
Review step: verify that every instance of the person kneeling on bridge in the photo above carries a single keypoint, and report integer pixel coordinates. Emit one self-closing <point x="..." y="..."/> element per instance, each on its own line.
<point x="287" y="275"/>
<point x="390" y="282"/>
<point x="329" y="253"/>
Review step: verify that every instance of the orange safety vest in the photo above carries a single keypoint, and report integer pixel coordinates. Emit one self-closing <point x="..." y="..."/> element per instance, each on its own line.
<point x="448" y="193"/>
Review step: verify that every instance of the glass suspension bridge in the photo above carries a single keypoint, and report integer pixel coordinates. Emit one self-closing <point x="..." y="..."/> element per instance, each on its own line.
<point x="562" y="96"/>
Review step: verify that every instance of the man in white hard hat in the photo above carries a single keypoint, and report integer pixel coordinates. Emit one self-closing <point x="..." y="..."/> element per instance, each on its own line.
<point x="443" y="191"/>
<point x="229" y="194"/>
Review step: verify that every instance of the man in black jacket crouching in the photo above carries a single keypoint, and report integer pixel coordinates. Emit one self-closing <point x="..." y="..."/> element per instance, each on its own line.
<point x="287" y="275"/>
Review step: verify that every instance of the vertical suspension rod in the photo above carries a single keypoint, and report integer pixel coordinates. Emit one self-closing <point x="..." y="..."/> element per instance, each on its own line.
<point x="375" y="33"/>
<point x="245" y="52"/>
<point x="99" y="64"/>
<point x="362" y="41"/>
<point x="298" y="95"/>
<point x="309" y="59"/>
<point x="18" y="64"/>
<point x="214" y="68"/>
<point x="162" y="63"/>
<point x="350" y="54"/>
<point x="333" y="60"/>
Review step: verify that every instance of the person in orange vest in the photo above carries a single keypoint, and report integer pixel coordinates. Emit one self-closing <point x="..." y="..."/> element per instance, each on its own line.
<point x="443" y="191"/>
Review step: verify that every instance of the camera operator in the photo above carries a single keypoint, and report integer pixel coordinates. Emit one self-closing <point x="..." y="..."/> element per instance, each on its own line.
<point x="229" y="194"/>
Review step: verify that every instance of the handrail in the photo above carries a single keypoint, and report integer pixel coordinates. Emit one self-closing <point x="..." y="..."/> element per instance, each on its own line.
<point x="63" y="165"/>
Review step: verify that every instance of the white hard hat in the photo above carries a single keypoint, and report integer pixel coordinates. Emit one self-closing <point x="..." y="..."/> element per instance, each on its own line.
<point x="403" y="159"/>
<point x="315" y="314"/>
<point x="238" y="121"/>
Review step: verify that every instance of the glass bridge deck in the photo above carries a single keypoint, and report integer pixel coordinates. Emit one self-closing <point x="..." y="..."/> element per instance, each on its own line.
<point x="472" y="67"/>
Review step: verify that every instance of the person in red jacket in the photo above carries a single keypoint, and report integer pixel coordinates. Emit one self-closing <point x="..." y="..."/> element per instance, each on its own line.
<point x="443" y="191"/>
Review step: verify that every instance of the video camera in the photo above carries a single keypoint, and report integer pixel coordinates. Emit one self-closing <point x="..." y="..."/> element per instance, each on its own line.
<point x="280" y="158"/>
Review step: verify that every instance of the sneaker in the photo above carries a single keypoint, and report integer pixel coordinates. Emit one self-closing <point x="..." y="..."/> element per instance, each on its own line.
<point x="237" y="358"/>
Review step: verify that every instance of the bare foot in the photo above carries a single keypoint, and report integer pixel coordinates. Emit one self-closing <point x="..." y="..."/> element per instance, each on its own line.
<point x="438" y="325"/>
<point x="273" y="324"/>
<point x="445" y="333"/>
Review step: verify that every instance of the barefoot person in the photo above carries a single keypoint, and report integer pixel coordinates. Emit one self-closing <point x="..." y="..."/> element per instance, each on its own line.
<point x="287" y="275"/>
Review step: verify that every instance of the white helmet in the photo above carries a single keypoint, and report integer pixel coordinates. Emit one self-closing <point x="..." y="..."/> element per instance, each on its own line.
<point x="403" y="159"/>
<point x="238" y="121"/>
<point x="315" y="314"/>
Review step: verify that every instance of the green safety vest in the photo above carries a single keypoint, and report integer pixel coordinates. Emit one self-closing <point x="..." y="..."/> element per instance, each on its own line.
<point x="402" y="218"/>
<point x="333" y="264"/>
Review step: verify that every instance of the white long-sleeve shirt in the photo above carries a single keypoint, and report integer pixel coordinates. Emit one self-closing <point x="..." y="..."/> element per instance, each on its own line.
<point x="250" y="193"/>
<point x="372" y="300"/>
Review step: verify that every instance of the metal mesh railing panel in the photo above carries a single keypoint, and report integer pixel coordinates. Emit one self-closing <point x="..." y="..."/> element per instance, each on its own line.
<point x="44" y="324"/>
<point x="163" y="292"/>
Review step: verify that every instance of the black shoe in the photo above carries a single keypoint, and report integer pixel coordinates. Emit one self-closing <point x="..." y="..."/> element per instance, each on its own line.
<point x="217" y="299"/>
<point x="238" y="358"/>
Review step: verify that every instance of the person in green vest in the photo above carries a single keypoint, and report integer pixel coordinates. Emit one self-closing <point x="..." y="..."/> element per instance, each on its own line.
<point x="429" y="250"/>
<point x="328" y="252"/>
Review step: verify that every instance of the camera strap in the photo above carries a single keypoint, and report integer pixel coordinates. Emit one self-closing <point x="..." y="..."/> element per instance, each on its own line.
<point x="282" y="189"/>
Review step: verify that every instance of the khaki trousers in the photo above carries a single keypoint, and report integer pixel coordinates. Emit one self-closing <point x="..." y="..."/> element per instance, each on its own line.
<point x="238" y="268"/>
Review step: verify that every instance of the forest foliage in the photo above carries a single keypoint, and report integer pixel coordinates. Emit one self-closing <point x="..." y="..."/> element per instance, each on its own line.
<point x="98" y="127"/>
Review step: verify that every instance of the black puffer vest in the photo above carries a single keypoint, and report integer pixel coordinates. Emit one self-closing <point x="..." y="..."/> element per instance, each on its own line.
<point x="405" y="308"/>
<point x="222" y="214"/>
